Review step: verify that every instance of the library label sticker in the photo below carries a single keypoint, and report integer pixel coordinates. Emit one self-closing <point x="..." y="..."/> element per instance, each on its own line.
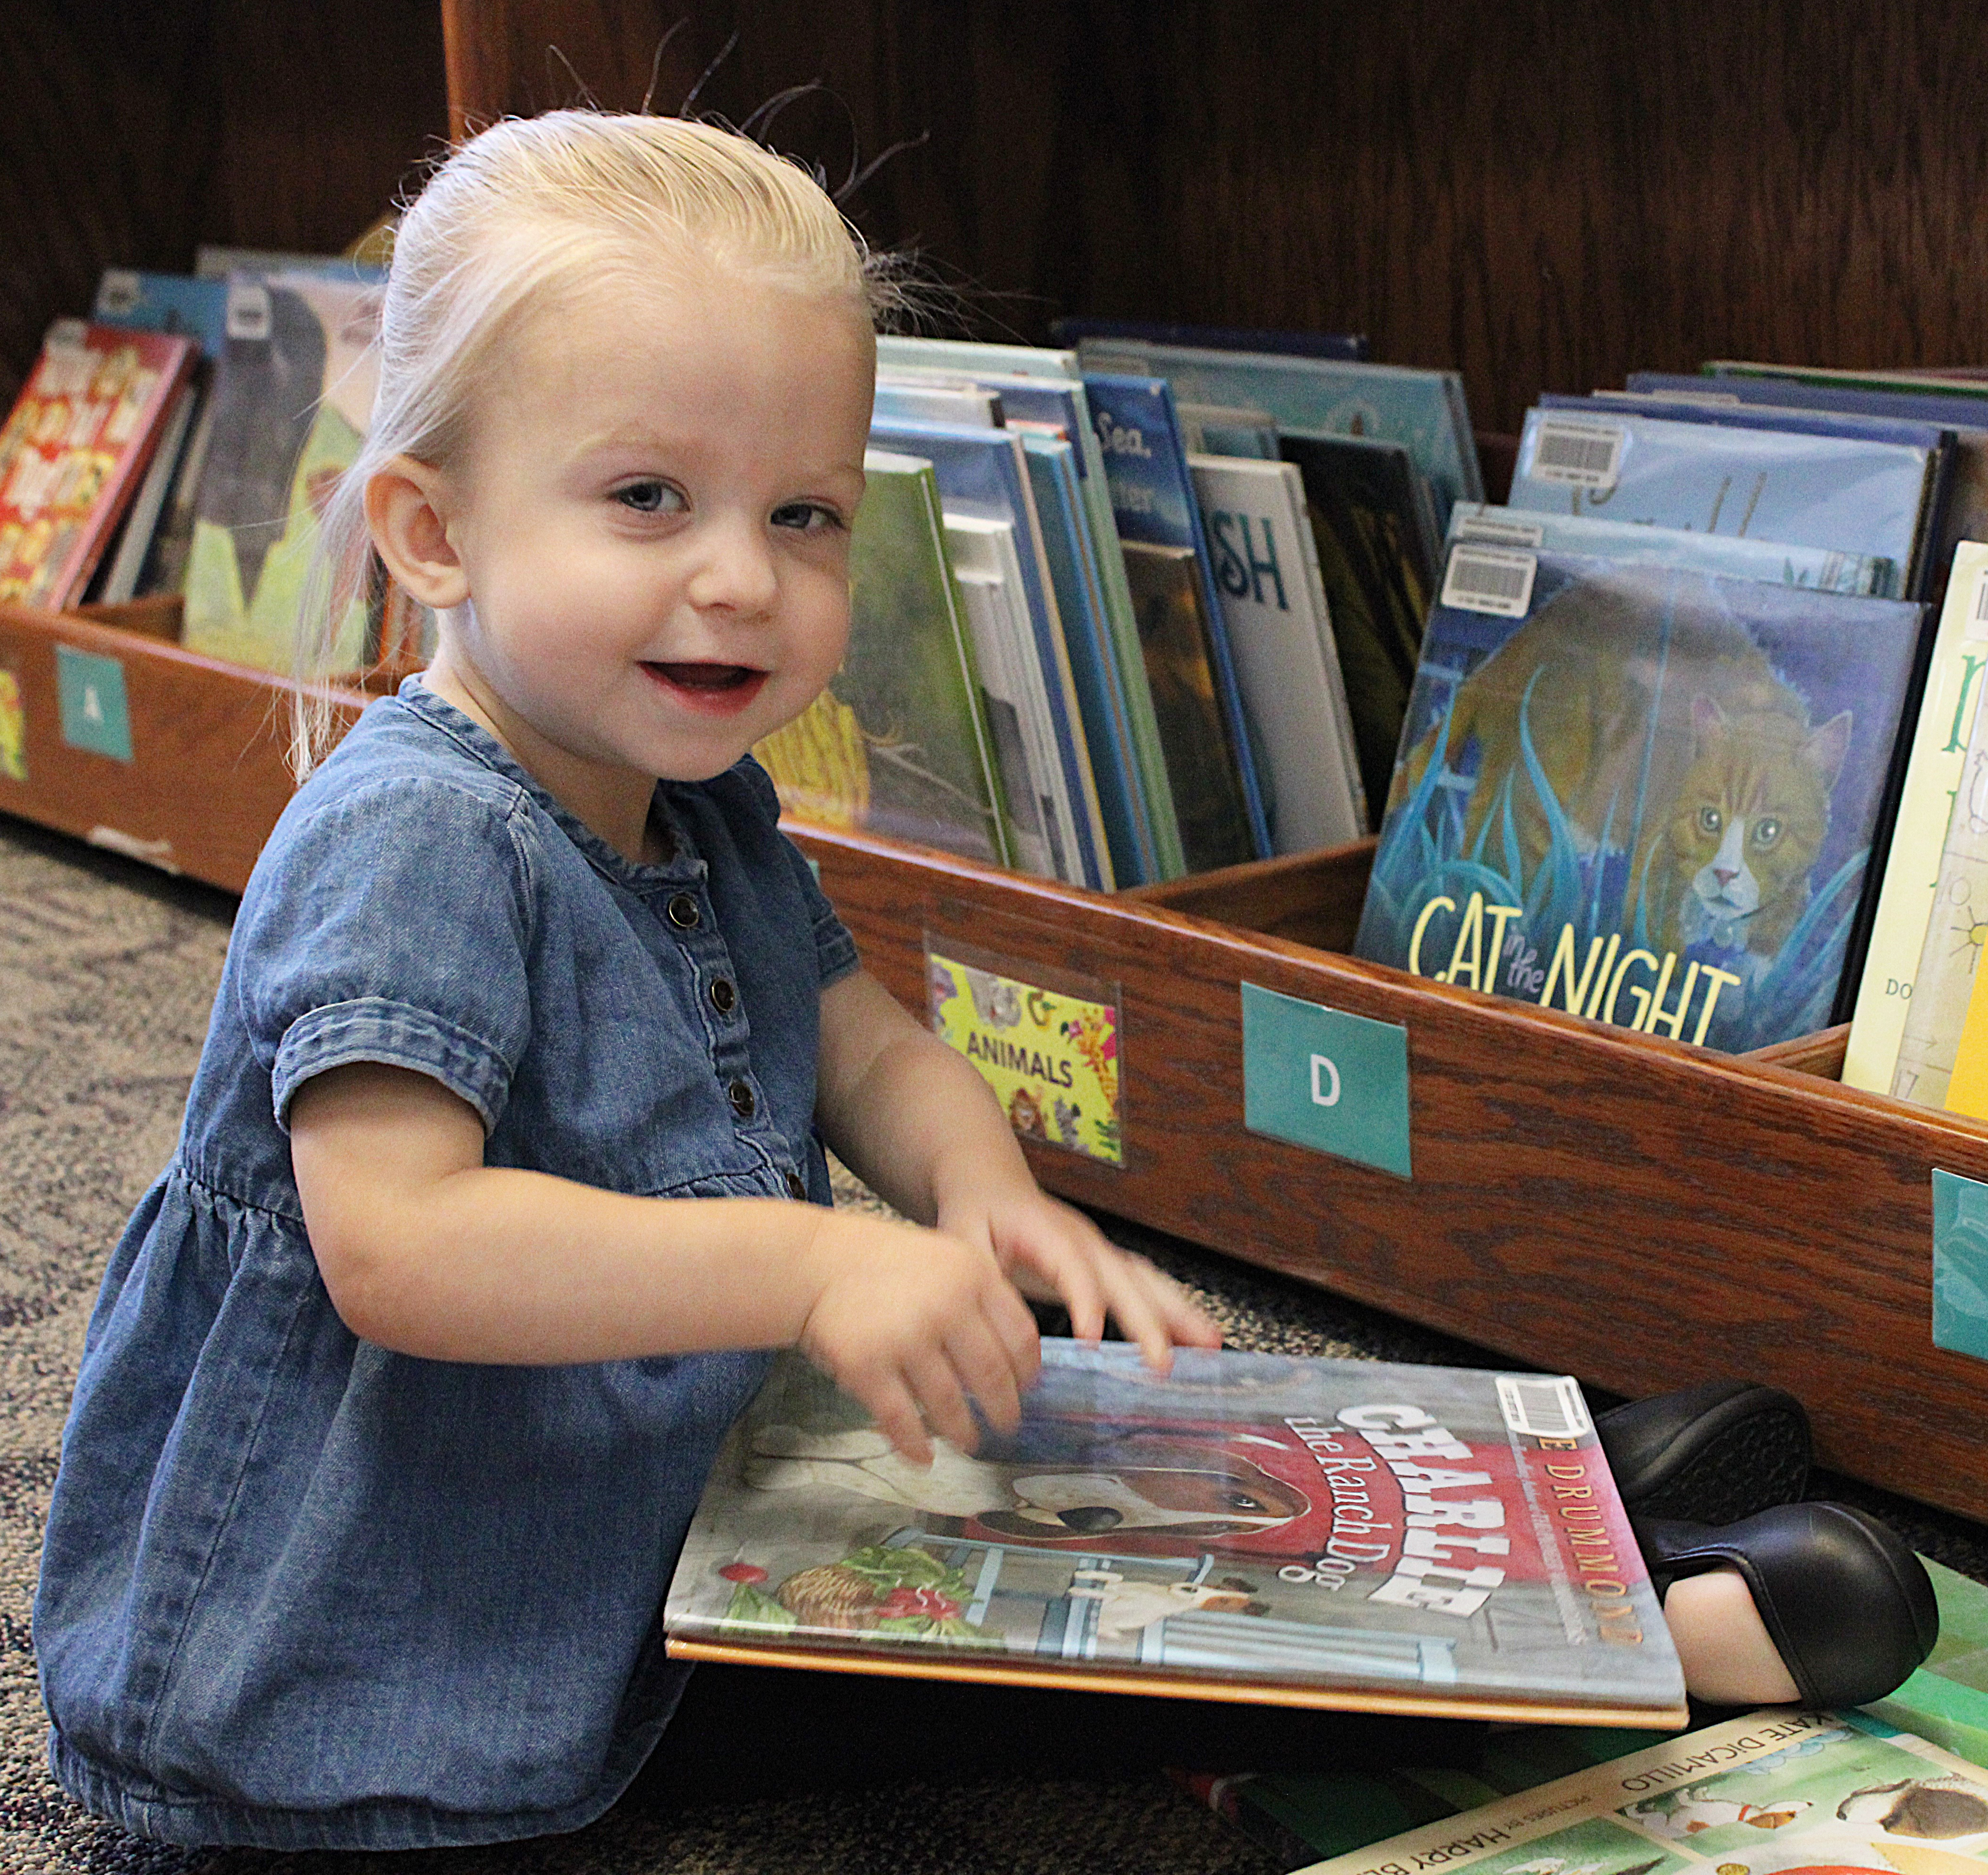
<point x="13" y="727"/>
<point x="1051" y="1056"/>
<point x="1959" y="1263"/>
<point x="94" y="715"/>
<point x="1321" y="1078"/>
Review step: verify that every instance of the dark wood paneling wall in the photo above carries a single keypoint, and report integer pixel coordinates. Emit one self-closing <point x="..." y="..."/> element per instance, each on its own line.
<point x="1545" y="195"/>
<point x="130" y="133"/>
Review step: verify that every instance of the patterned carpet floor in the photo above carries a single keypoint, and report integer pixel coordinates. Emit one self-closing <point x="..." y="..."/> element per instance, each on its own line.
<point x="106" y="973"/>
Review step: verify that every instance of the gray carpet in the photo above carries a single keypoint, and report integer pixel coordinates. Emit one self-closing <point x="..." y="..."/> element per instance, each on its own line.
<point x="107" y="972"/>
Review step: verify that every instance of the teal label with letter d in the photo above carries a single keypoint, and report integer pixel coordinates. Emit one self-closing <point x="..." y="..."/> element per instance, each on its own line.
<point x="1320" y="1078"/>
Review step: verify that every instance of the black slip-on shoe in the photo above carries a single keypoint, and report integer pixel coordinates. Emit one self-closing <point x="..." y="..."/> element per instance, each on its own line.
<point x="1708" y="1455"/>
<point x="1849" y="1605"/>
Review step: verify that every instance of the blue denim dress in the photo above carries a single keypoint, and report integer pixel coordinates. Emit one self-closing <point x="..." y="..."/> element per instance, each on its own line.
<point x="301" y="1592"/>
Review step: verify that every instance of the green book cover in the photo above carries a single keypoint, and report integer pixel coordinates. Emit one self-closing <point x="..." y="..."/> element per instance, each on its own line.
<point x="897" y="745"/>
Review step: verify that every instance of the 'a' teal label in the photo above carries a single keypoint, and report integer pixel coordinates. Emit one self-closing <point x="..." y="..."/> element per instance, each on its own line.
<point x="1959" y="1263"/>
<point x="1321" y="1078"/>
<point x="94" y="715"/>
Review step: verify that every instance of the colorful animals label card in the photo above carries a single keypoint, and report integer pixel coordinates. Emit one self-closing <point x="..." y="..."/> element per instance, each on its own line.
<point x="1051" y="1056"/>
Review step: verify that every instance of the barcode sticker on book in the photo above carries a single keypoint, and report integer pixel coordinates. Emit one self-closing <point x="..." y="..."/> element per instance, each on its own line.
<point x="1977" y="613"/>
<point x="117" y="292"/>
<point x="1580" y="455"/>
<point x="1543" y="1406"/>
<point x="1504" y="533"/>
<point x="248" y="309"/>
<point x="66" y="335"/>
<point x="1486" y="578"/>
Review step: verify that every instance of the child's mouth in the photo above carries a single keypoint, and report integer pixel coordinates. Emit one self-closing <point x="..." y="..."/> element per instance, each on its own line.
<point x="718" y="690"/>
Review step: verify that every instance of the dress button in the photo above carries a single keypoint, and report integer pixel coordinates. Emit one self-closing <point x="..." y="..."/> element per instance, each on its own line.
<point x="796" y="1186"/>
<point x="723" y="995"/>
<point x="741" y="1099"/>
<point x="683" y="912"/>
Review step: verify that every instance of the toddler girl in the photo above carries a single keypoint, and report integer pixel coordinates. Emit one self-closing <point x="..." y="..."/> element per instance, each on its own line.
<point x="503" y="1161"/>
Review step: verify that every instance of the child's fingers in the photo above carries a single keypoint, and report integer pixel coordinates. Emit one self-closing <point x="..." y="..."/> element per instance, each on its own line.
<point x="895" y="1411"/>
<point x="937" y="1386"/>
<point x="990" y="1371"/>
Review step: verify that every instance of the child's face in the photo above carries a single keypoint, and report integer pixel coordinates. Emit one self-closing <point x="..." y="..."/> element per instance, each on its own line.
<point x="652" y="514"/>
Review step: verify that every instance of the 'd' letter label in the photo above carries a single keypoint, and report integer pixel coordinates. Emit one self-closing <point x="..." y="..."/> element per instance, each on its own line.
<point x="1320" y="1078"/>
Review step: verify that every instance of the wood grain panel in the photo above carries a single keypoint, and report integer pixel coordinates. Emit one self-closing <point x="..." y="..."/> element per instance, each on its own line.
<point x="208" y="775"/>
<point x="132" y="134"/>
<point x="1546" y="197"/>
<point x="1642" y="1213"/>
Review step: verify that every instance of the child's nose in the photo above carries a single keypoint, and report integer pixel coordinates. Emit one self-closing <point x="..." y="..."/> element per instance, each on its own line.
<point x="737" y="567"/>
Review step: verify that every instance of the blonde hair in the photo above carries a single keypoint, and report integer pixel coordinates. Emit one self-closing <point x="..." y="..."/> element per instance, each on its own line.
<point x="529" y="210"/>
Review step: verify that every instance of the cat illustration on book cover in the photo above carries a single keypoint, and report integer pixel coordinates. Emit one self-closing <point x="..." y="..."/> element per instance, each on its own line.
<point x="1649" y="800"/>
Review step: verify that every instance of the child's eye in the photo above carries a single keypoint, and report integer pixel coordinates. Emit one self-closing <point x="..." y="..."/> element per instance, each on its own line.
<point x="807" y="517"/>
<point x="649" y="498"/>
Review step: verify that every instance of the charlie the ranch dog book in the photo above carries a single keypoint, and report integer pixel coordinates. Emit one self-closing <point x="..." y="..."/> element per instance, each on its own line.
<point x="1250" y="1526"/>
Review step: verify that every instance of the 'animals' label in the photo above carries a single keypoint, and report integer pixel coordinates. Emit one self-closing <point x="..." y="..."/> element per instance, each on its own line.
<point x="1977" y="613"/>
<point x="1496" y="579"/>
<point x="1578" y="455"/>
<point x="13" y="727"/>
<point x="1051" y="1056"/>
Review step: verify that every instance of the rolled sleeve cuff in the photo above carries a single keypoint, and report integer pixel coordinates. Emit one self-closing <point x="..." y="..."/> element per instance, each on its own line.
<point x="835" y="950"/>
<point x="374" y="1028"/>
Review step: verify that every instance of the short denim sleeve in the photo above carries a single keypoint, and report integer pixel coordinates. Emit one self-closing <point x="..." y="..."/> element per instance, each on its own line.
<point x="835" y="950"/>
<point x="394" y="927"/>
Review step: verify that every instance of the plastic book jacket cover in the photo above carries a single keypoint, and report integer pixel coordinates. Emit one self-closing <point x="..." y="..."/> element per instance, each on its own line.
<point x="1342" y="1533"/>
<point x="73" y="449"/>
<point x="1640" y="794"/>
<point x="897" y="744"/>
<point x="1769" y="1793"/>
<point x="292" y="399"/>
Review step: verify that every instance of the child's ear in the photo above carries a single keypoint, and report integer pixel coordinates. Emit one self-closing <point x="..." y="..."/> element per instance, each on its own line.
<point x="408" y="510"/>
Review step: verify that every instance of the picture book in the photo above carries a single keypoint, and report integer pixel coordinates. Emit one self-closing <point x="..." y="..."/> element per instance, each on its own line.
<point x="1693" y="866"/>
<point x="74" y="450"/>
<point x="1153" y="503"/>
<point x="896" y="744"/>
<point x="1935" y="439"/>
<point x="1040" y="387"/>
<point x="1344" y="345"/>
<point x="1767" y="1793"/>
<point x="291" y="398"/>
<point x="1359" y="501"/>
<point x="985" y="472"/>
<point x="1285" y="1529"/>
<point x="1822" y="568"/>
<point x="1054" y="463"/>
<point x="116" y="579"/>
<point x="1227" y="430"/>
<point x="1280" y="633"/>
<point x="1847" y="493"/>
<point x="1168" y="602"/>
<point x="1301" y="1816"/>
<point x="958" y="402"/>
<point x="1422" y="410"/>
<point x="1885" y="990"/>
<point x="988" y="571"/>
<point x="1966" y="417"/>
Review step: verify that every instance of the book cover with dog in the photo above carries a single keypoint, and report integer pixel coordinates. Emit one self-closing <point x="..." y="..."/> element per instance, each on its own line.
<point x="1641" y="793"/>
<point x="1775" y="1792"/>
<point x="1259" y="1526"/>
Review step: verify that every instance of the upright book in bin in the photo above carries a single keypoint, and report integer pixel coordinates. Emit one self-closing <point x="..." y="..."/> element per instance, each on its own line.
<point x="1253" y="1527"/>
<point x="1642" y="794"/>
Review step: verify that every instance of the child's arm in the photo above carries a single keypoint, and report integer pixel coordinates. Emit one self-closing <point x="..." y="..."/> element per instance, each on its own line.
<point x="914" y="1120"/>
<point x="426" y="1250"/>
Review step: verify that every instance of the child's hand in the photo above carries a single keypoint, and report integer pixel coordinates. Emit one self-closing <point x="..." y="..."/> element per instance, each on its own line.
<point x="914" y="1323"/>
<point x="1054" y="1253"/>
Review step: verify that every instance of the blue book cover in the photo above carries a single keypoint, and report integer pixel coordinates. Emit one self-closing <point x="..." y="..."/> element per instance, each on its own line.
<point x="1696" y="871"/>
<point x="985" y="472"/>
<point x="1351" y="346"/>
<point x="1935" y="439"/>
<point x="1822" y="569"/>
<point x="173" y="302"/>
<point x="1857" y="495"/>
<point x="1322" y="396"/>
<point x="1053" y="473"/>
<point x="1154" y="502"/>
